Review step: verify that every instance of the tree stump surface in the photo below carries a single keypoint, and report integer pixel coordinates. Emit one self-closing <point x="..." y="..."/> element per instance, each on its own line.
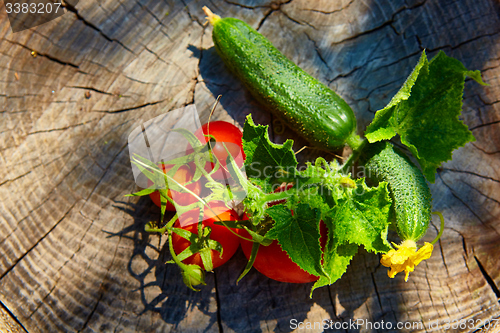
<point x="75" y="257"/>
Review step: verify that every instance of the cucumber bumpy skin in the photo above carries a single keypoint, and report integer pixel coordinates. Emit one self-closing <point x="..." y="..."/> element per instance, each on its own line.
<point x="303" y="103"/>
<point x="409" y="191"/>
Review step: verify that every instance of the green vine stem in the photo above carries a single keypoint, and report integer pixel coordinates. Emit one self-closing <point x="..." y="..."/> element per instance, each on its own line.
<point x="357" y="145"/>
<point x="441" y="229"/>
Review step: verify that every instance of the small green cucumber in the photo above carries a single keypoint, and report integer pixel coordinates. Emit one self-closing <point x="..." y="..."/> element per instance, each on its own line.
<point x="409" y="191"/>
<point x="303" y="103"/>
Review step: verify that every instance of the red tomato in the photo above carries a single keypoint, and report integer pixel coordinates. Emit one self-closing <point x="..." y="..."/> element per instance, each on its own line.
<point x="225" y="134"/>
<point x="183" y="175"/>
<point x="273" y="261"/>
<point x="220" y="233"/>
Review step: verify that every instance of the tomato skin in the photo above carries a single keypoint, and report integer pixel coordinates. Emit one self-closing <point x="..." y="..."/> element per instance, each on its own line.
<point x="183" y="175"/>
<point x="220" y="233"/>
<point x="226" y="133"/>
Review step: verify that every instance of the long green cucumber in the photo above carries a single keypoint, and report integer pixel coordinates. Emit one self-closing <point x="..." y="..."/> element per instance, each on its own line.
<point x="306" y="105"/>
<point x="409" y="191"/>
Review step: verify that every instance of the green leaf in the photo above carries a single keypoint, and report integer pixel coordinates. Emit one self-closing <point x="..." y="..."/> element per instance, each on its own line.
<point x="360" y="218"/>
<point x="149" y="169"/>
<point x="206" y="259"/>
<point x="164" y="198"/>
<point x="425" y="112"/>
<point x="258" y="238"/>
<point x="251" y="260"/>
<point x="265" y="160"/>
<point x="363" y="218"/>
<point x="143" y="192"/>
<point x="189" y="136"/>
<point x="337" y="258"/>
<point x="298" y="235"/>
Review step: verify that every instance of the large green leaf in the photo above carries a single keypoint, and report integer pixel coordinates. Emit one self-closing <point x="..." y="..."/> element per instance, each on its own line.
<point x="425" y="112"/>
<point x="298" y="234"/>
<point x="363" y="218"/>
<point x="265" y="160"/>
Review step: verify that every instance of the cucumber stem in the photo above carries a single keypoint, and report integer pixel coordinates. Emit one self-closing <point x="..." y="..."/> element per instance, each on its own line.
<point x="354" y="141"/>
<point x="357" y="145"/>
<point x="211" y="17"/>
<point x="441" y="229"/>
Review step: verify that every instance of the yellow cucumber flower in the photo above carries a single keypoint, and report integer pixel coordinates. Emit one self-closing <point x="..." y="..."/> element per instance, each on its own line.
<point x="406" y="257"/>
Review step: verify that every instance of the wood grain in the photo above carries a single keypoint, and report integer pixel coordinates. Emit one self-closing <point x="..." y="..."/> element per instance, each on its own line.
<point x="75" y="257"/>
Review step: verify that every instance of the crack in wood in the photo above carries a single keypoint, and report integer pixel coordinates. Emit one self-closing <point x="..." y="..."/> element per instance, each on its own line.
<point x="369" y="60"/>
<point x="192" y="18"/>
<point x="101" y="292"/>
<point x="244" y="6"/>
<point x="484" y="150"/>
<point x="16" y="178"/>
<point x="105" y="170"/>
<point x="332" y="302"/>
<point x="466" y="205"/>
<point x="131" y="108"/>
<point x="42" y="203"/>
<point x="18" y="260"/>
<point x="387" y="23"/>
<point x="145" y="8"/>
<point x="453" y="47"/>
<point x="465" y="255"/>
<point x="408" y="56"/>
<point x="330" y="12"/>
<point x="393" y="82"/>
<point x="481" y="98"/>
<point x="39" y="164"/>
<point x="217" y="300"/>
<point x="471" y="173"/>
<point x="63" y="128"/>
<point x="316" y="48"/>
<point x="376" y="292"/>
<point x="138" y="81"/>
<point x="72" y="9"/>
<point x="480" y="193"/>
<point x="484" y="125"/>
<point x="488" y="278"/>
<point x="443" y="258"/>
<point x="261" y="22"/>
<point x="273" y="7"/>
<point x="429" y="286"/>
<point x="93" y="89"/>
<point x="59" y="270"/>
<point x="13" y="317"/>
<point x="297" y="21"/>
<point x="52" y="58"/>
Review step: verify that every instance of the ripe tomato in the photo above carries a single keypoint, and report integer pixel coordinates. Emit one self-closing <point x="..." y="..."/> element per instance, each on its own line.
<point x="225" y="134"/>
<point x="183" y="175"/>
<point x="273" y="261"/>
<point x="220" y="233"/>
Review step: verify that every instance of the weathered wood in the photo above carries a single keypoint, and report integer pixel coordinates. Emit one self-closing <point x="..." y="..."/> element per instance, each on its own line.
<point x="74" y="253"/>
<point x="9" y="324"/>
